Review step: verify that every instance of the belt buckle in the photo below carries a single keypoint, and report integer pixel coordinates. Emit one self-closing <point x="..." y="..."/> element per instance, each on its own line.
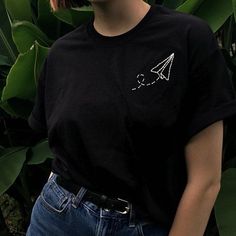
<point x="127" y="207"/>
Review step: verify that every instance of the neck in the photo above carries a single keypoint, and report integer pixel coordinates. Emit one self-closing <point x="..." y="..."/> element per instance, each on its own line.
<point x="117" y="16"/>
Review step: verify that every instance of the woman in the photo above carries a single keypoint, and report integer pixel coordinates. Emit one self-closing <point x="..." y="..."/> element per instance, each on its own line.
<point x="133" y="102"/>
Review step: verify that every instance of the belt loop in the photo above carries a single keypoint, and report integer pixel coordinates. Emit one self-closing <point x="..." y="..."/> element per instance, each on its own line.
<point x="79" y="196"/>
<point x="52" y="174"/>
<point x="131" y="215"/>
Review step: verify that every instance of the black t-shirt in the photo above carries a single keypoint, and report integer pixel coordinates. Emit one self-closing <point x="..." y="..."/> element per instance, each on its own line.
<point x="118" y="110"/>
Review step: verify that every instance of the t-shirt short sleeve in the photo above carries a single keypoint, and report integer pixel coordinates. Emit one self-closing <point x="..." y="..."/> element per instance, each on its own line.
<point x="37" y="119"/>
<point x="210" y="93"/>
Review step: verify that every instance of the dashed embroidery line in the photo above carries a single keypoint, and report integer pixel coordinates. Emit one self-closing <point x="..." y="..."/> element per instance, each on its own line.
<point x="159" y="69"/>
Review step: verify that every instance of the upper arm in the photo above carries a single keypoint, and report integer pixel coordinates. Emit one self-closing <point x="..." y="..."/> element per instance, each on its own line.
<point x="203" y="155"/>
<point x="210" y="95"/>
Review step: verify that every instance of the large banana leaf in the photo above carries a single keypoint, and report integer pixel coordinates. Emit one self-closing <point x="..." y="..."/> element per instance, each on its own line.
<point x="19" y="10"/>
<point x="173" y="4"/>
<point x="11" y="163"/>
<point x="74" y="16"/>
<point x="7" y="46"/>
<point x="49" y="23"/>
<point x="215" y="12"/>
<point x="40" y="152"/>
<point x="5" y="65"/>
<point x="190" y="6"/>
<point x="21" y="81"/>
<point x="225" y="206"/>
<point x="234" y="8"/>
<point x="25" y="33"/>
<point x="13" y="159"/>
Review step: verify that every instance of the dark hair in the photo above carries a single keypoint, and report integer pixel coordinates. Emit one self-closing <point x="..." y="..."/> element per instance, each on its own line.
<point x="57" y="4"/>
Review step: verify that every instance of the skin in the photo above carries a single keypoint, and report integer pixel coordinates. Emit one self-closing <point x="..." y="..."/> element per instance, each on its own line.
<point x="203" y="155"/>
<point x="117" y="16"/>
<point x="203" y="152"/>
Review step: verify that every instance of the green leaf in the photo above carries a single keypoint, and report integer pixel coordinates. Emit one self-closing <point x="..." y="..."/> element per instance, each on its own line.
<point x="234" y="8"/>
<point x="173" y="4"/>
<point x="225" y="207"/>
<point x="25" y="33"/>
<point x="7" y="46"/>
<point x="190" y="6"/>
<point x="74" y="16"/>
<point x="4" y="61"/>
<point x="41" y="53"/>
<point x="19" y="9"/>
<point x="47" y="21"/>
<point x="21" y="80"/>
<point x="40" y="153"/>
<point x="11" y="164"/>
<point x="5" y="66"/>
<point x="215" y="12"/>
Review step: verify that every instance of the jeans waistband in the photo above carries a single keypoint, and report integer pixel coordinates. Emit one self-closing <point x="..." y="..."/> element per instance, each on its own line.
<point x="132" y="212"/>
<point x="120" y="205"/>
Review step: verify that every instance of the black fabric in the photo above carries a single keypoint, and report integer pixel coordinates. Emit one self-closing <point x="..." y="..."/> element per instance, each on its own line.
<point x="119" y="110"/>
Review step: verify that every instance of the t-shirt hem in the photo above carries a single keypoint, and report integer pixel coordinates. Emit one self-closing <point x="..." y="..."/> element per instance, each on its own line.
<point x="226" y="112"/>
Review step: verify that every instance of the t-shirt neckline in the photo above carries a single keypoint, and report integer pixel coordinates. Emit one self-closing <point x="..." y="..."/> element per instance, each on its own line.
<point x="121" y="37"/>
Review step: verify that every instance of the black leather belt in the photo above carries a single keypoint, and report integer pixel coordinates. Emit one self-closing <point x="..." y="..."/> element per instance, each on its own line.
<point x="117" y="204"/>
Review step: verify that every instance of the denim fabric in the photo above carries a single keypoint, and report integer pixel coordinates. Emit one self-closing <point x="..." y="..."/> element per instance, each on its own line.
<point x="59" y="212"/>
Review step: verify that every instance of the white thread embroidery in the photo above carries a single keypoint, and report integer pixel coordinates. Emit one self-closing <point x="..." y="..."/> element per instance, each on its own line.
<point x="160" y="69"/>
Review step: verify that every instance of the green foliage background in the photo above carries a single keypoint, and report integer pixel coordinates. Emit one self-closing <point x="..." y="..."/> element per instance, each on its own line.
<point x="28" y="28"/>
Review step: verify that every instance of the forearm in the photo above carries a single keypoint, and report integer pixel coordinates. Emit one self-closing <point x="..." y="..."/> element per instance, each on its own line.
<point x="194" y="210"/>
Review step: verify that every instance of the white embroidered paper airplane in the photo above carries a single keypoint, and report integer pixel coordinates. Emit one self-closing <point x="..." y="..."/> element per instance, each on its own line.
<point x="162" y="70"/>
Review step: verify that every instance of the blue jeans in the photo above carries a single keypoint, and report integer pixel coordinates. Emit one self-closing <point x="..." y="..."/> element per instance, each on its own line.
<point x="59" y="212"/>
